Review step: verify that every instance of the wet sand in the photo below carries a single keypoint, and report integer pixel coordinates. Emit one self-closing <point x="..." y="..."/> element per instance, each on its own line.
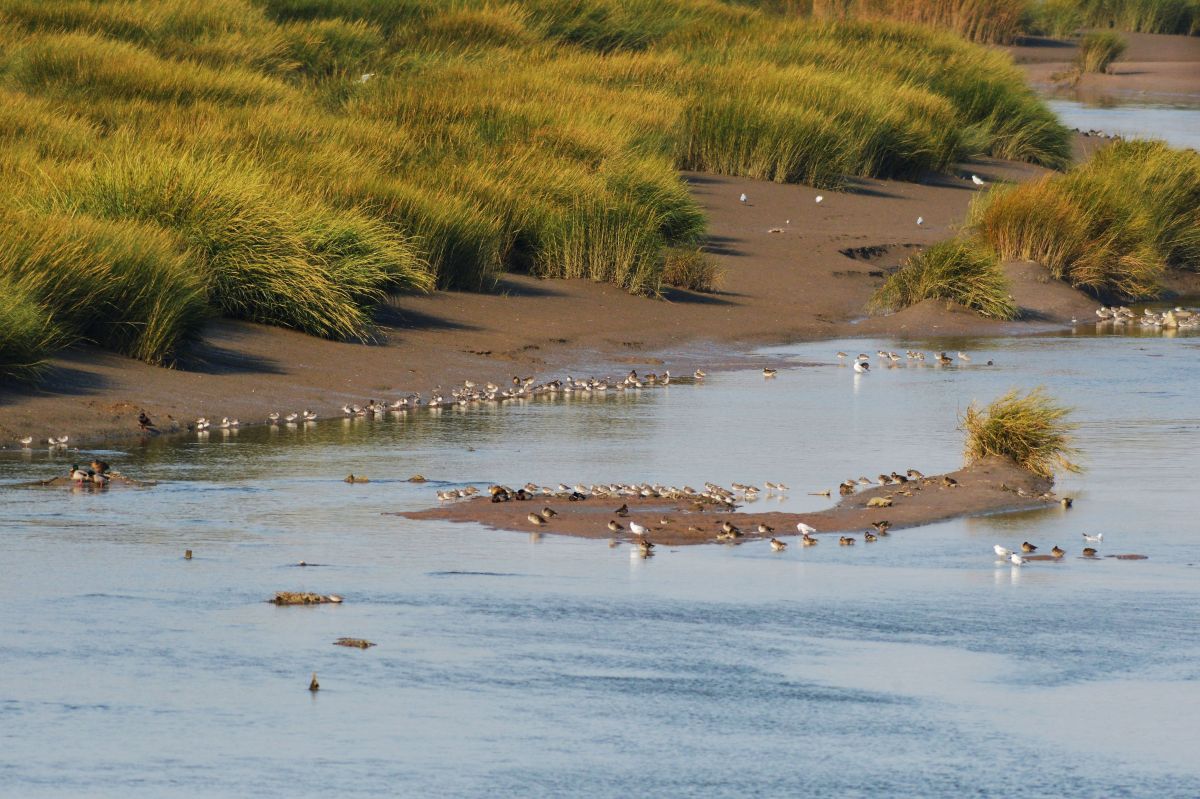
<point x="1155" y="68"/>
<point x="810" y="281"/>
<point x="989" y="486"/>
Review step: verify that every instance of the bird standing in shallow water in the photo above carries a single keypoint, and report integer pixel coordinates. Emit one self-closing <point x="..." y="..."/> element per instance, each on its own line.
<point x="1028" y="547"/>
<point x="862" y="366"/>
<point x="315" y="686"/>
<point x="1016" y="559"/>
<point x="1058" y="551"/>
<point x="778" y="545"/>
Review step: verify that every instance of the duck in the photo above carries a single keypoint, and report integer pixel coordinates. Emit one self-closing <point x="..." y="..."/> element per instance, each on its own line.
<point x="765" y="529"/>
<point x="273" y="417"/>
<point x="777" y="545"/>
<point x="846" y="541"/>
<point x="882" y="526"/>
<point x="99" y="466"/>
<point x="144" y="420"/>
<point x="291" y="417"/>
<point x="1089" y="552"/>
<point x="915" y="474"/>
<point x="79" y="475"/>
<point x="536" y="519"/>
<point x="807" y="540"/>
<point x="1028" y="547"/>
<point x="623" y="510"/>
<point x="615" y="527"/>
<point x="357" y="478"/>
<point x="1058" y="551"/>
<point x="549" y="513"/>
<point x="870" y="537"/>
<point x="313" y="685"/>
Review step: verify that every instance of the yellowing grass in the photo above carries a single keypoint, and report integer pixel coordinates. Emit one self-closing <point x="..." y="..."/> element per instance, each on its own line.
<point x="1031" y="430"/>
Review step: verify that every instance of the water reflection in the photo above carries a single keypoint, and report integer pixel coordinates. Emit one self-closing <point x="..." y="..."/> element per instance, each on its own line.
<point x="1178" y="126"/>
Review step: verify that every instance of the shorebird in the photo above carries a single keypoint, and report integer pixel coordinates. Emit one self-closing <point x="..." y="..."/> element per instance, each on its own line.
<point x="920" y="221"/>
<point x="1058" y="551"/>
<point x="765" y="528"/>
<point x="309" y="415"/>
<point x="778" y="545"/>
<point x="770" y="372"/>
<point x="820" y="199"/>
<point x="978" y="181"/>
<point x="699" y="374"/>
<point x="742" y="199"/>
<point x="1002" y="552"/>
<point x="273" y="417"/>
<point x="841" y="356"/>
<point x="638" y="529"/>
<point x="805" y="529"/>
<point x="291" y="417"/>
<point x="1016" y="559"/>
<point x="26" y="441"/>
<point x="536" y="519"/>
<point x="1028" y="547"/>
<point x="1098" y="537"/>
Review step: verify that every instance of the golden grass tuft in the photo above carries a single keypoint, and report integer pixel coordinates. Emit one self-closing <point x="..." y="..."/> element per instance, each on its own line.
<point x="960" y="270"/>
<point x="1031" y="430"/>
<point x="1098" y="49"/>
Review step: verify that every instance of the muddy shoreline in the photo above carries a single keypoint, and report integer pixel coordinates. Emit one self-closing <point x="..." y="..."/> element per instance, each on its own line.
<point x="990" y="486"/>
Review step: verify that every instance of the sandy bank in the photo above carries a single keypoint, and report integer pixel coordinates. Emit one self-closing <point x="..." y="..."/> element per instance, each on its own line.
<point x="1155" y="68"/>
<point x="794" y="270"/>
<point x="991" y="486"/>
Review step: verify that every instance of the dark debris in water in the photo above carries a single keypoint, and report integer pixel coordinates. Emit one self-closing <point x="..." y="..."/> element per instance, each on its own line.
<point x="356" y="643"/>
<point x="473" y="574"/>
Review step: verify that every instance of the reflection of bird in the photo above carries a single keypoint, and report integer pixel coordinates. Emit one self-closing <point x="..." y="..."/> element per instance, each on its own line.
<point x="978" y="181"/>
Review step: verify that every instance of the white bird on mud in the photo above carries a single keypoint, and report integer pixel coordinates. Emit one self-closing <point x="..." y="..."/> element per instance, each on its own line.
<point x="920" y="221"/>
<point x="637" y="529"/>
<point x="1002" y="552"/>
<point x="1016" y="559"/>
<point x="805" y="529"/>
<point x="820" y="199"/>
<point x="1097" y="537"/>
<point x="742" y="198"/>
<point x="978" y="181"/>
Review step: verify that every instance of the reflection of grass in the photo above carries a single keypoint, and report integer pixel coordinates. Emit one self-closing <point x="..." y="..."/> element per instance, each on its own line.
<point x="1030" y="430"/>
<point x="1098" y="49"/>
<point x="961" y="270"/>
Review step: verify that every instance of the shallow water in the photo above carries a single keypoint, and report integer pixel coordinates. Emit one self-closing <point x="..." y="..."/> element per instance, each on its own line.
<point x="512" y="666"/>
<point x="1177" y="125"/>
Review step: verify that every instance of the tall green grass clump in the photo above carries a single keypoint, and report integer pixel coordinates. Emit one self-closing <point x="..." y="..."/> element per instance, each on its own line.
<point x="1098" y="49"/>
<point x="1056" y="18"/>
<point x="1110" y="226"/>
<point x="984" y="21"/>
<point x="960" y="270"/>
<point x="1032" y="430"/>
<point x="1143" y="16"/>
<point x="28" y="336"/>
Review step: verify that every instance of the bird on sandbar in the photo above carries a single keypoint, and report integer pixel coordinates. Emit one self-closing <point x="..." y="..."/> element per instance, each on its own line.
<point x="920" y="221"/>
<point x="778" y="545"/>
<point x="882" y="526"/>
<point x="638" y="529"/>
<point x="623" y="510"/>
<point x="26" y="441"/>
<point x="549" y="513"/>
<point x="144" y="420"/>
<point x="742" y="199"/>
<point x="615" y="527"/>
<point x="820" y="199"/>
<point x="765" y="529"/>
<point x="273" y="417"/>
<point x="536" y="519"/>
<point x="805" y="529"/>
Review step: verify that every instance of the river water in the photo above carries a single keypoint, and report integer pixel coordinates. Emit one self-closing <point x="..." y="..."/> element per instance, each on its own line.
<point x="512" y="666"/>
<point x="1178" y="125"/>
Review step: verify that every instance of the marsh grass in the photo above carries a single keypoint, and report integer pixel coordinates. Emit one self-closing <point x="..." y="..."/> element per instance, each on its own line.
<point x="1031" y="430"/>
<point x="1098" y="49"/>
<point x="960" y="270"/>
<point x="1143" y="16"/>
<point x="1111" y="225"/>
<point x="241" y="141"/>
<point x="27" y="334"/>
<point x="689" y="268"/>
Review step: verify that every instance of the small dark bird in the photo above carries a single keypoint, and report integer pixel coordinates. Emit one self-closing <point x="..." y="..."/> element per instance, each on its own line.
<point x="882" y="526"/>
<point x="1028" y="547"/>
<point x="623" y="510"/>
<point x="1067" y="502"/>
<point x="99" y="466"/>
<point x="1058" y="551"/>
<point x="615" y="526"/>
<point x="549" y="513"/>
<point x="869" y="537"/>
<point x="314" y="686"/>
<point x="187" y="554"/>
<point x="1089" y="552"/>
<point x="144" y="421"/>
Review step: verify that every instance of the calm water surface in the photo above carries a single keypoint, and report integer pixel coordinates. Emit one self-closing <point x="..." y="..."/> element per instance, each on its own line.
<point x="508" y="666"/>
<point x="1177" y="125"/>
